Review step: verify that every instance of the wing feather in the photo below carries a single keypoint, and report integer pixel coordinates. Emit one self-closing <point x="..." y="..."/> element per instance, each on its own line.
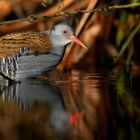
<point x="11" y="44"/>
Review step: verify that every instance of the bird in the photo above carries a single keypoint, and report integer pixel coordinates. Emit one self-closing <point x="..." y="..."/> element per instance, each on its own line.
<point x="29" y="54"/>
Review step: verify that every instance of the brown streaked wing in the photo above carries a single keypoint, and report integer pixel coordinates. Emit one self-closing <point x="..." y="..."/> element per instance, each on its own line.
<point x="11" y="44"/>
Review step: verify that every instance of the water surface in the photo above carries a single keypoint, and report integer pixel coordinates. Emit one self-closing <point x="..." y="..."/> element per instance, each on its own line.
<point x="71" y="105"/>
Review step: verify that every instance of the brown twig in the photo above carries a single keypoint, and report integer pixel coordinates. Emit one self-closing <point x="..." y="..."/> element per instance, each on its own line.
<point x="70" y="5"/>
<point x="67" y="13"/>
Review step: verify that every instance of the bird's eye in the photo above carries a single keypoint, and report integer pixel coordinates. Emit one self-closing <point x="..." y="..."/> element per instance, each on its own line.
<point x="64" y="31"/>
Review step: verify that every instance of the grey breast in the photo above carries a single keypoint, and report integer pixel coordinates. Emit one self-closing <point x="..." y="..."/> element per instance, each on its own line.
<point x="26" y="64"/>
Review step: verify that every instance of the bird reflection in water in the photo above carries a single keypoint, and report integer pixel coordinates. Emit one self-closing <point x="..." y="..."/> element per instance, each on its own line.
<point x="75" y="108"/>
<point x="41" y="111"/>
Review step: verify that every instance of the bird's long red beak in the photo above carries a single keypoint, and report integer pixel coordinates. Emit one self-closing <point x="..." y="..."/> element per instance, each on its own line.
<point x="78" y="41"/>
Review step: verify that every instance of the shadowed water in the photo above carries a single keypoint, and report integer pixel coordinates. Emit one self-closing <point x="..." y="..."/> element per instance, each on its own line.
<point x="72" y="105"/>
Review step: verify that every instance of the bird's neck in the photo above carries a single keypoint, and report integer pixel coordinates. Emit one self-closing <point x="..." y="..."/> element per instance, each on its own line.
<point x="57" y="45"/>
<point x="58" y="50"/>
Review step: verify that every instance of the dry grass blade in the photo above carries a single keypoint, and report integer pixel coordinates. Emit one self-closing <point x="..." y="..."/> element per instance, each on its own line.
<point x="69" y="55"/>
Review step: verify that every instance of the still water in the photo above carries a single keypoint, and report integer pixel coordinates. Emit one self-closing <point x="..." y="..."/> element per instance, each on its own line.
<point x="73" y="105"/>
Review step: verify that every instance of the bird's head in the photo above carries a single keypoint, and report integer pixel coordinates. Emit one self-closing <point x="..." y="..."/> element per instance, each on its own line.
<point x="62" y="34"/>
